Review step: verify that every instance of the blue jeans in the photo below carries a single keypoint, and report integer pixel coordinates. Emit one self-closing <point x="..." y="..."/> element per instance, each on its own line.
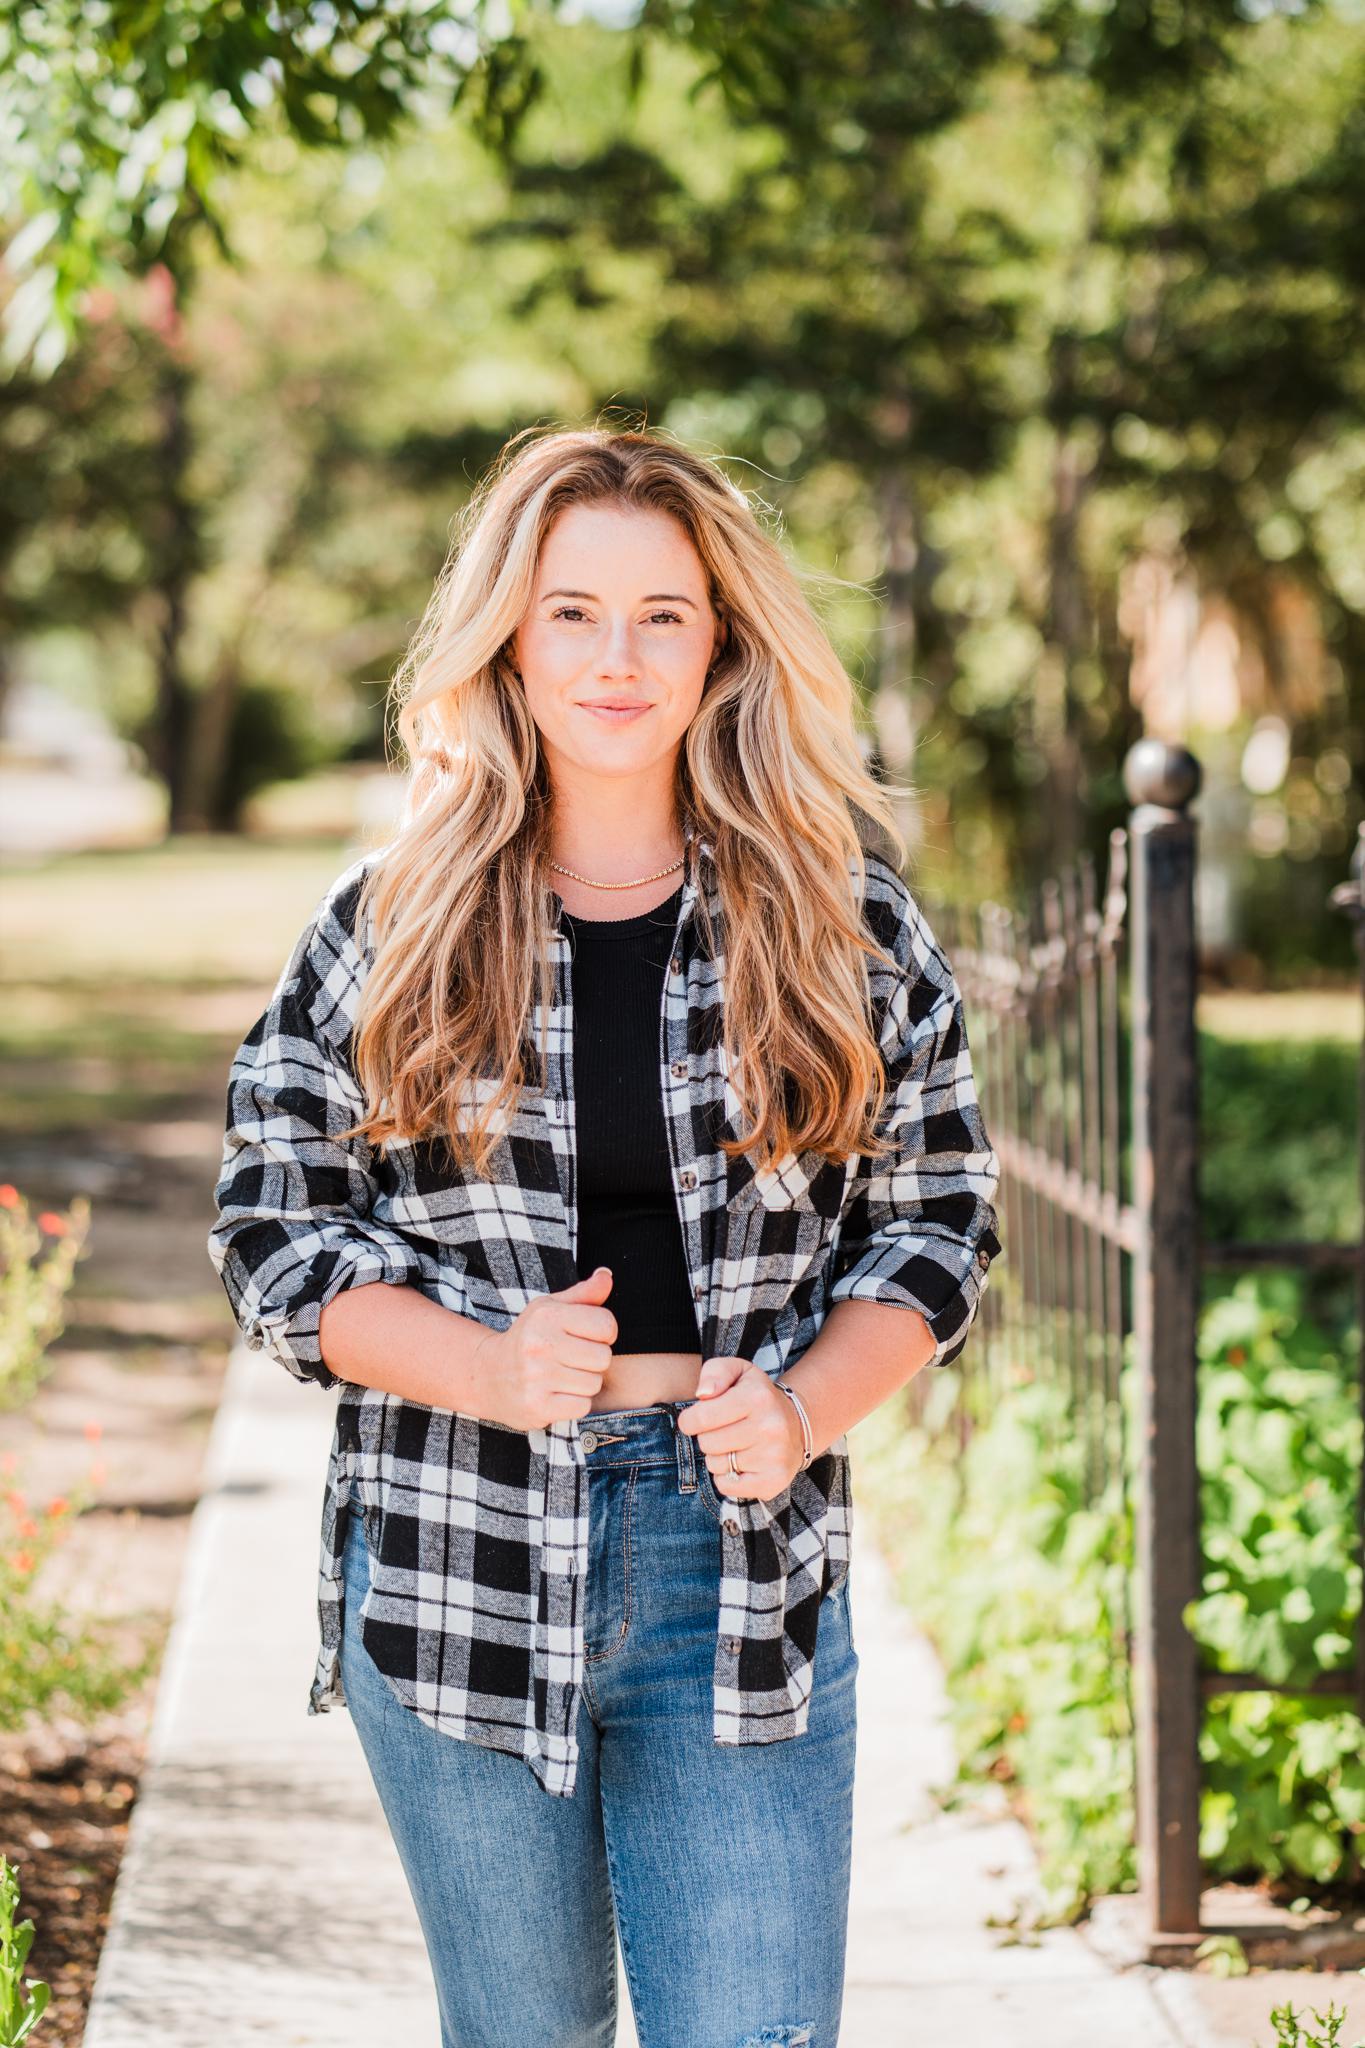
<point x="726" y="1869"/>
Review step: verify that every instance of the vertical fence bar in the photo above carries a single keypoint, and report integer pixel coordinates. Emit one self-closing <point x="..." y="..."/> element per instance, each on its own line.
<point x="1161" y="780"/>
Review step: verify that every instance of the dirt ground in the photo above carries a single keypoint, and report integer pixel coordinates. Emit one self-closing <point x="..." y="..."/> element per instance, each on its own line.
<point x="130" y="976"/>
<point x="131" y="1398"/>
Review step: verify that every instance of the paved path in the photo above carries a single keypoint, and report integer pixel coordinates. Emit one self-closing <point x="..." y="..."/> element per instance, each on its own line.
<point x="261" y="1901"/>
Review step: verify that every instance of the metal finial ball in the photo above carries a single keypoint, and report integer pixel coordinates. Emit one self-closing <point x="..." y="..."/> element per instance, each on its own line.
<point x="1160" y="772"/>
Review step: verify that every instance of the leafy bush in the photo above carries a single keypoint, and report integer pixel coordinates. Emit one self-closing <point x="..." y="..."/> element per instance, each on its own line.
<point x="47" y="1657"/>
<point x="1289" y="2034"/>
<point x="1279" y="1443"/>
<point x="23" y="2001"/>
<point x="1278" y="1143"/>
<point x="37" y="1260"/>
<point x="1022" y="1585"/>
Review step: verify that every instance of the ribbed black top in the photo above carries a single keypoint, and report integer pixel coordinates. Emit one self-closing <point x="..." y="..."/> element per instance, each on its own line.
<point x="627" y="1208"/>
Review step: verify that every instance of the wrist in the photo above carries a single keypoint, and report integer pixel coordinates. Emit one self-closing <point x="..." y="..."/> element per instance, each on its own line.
<point x="799" y="1424"/>
<point x="482" y="1376"/>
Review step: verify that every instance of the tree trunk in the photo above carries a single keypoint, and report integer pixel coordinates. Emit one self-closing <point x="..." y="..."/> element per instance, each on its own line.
<point x="169" y="746"/>
<point x="894" y="705"/>
<point x="1069" y="631"/>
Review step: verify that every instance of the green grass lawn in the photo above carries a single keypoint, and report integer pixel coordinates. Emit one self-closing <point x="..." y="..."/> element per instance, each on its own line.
<point x="199" y="912"/>
<point x="129" y="977"/>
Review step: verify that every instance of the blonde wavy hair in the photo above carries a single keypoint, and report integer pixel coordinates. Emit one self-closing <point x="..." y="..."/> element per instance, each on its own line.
<point x="770" y="772"/>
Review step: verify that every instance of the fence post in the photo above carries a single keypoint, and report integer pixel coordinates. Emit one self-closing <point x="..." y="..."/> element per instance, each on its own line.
<point x="1161" y="780"/>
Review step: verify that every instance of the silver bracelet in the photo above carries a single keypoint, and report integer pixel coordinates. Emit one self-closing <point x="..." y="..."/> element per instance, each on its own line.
<point x="808" y="1441"/>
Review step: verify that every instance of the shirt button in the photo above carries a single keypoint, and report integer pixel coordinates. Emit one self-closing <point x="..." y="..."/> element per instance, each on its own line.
<point x="734" y="1643"/>
<point x="696" y="1293"/>
<point x="675" y="965"/>
<point x="588" y="1439"/>
<point x="732" y="1525"/>
<point x="983" y="1259"/>
<point x="679" y="1070"/>
<point x="688" y="1177"/>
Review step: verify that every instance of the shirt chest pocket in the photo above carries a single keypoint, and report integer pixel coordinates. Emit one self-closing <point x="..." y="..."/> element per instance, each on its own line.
<point x="807" y="1189"/>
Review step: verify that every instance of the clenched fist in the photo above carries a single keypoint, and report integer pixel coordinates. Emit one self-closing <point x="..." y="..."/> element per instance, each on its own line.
<point x="548" y="1365"/>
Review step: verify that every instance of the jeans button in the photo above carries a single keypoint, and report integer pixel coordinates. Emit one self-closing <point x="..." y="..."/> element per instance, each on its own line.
<point x="588" y="1439"/>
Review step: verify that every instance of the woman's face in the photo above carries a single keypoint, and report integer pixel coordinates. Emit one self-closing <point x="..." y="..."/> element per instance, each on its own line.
<point x="616" y="644"/>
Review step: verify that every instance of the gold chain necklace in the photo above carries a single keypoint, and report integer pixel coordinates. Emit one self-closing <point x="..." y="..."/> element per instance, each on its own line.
<point x="637" y="883"/>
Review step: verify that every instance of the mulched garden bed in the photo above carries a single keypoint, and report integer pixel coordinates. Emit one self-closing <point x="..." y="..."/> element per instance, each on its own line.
<point x="64" y="1810"/>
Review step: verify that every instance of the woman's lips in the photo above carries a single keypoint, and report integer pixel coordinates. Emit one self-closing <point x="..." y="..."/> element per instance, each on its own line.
<point x="611" y="714"/>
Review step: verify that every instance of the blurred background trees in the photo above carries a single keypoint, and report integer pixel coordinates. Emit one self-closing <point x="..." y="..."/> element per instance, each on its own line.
<point x="1032" y="332"/>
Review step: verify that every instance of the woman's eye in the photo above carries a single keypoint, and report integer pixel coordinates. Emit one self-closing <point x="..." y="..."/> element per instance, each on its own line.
<point x="565" y="611"/>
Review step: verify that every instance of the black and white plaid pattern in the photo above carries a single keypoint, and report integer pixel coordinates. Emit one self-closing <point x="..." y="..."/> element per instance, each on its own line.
<point x="478" y="1533"/>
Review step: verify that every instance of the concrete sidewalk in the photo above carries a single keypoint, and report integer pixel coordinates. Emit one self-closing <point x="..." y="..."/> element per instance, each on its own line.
<point x="261" y="1901"/>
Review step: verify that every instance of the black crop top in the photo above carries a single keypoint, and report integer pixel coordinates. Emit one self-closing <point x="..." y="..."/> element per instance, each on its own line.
<point x="627" y="1208"/>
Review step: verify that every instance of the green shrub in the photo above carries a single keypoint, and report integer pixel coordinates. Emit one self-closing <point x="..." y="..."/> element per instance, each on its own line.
<point x="1024" y="1587"/>
<point x="48" y="1657"/>
<point x="37" y="1260"/>
<point x="1289" y="2034"/>
<point x="23" y="2000"/>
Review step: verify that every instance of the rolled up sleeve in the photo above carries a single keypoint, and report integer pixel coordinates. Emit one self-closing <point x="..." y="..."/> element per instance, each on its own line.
<point x="920" y="1227"/>
<point x="294" y="1225"/>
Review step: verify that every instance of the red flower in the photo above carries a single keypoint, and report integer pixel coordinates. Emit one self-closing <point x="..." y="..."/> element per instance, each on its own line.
<point x="9" y="1197"/>
<point x="54" y="1225"/>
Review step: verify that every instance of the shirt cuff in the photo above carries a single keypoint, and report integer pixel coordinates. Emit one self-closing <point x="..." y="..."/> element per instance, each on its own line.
<point x="289" y="1334"/>
<point x="884" y="1271"/>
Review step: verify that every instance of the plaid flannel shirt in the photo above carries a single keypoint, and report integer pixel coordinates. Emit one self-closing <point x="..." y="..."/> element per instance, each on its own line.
<point x="477" y="1532"/>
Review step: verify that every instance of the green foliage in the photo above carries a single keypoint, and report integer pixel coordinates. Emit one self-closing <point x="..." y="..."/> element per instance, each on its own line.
<point x="37" y="1261"/>
<point x="51" y="1659"/>
<point x="1279" y="1155"/>
<point x="1020" y="1584"/>
<point x="23" y="2000"/>
<point x="47" y="1656"/>
<point x="1279" y="1446"/>
<point x="1023" y="1587"/>
<point x="1290" y="2034"/>
<point x="120" y="120"/>
<point x="270" y="740"/>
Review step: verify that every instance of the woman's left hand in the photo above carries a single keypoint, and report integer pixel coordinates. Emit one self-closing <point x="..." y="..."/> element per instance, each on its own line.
<point x="739" y="1409"/>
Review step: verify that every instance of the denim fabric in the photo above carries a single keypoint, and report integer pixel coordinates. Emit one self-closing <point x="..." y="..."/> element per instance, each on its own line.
<point x="726" y="1868"/>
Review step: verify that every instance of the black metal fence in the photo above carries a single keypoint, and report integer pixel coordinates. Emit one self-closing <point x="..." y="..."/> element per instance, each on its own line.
<point x="1082" y="1019"/>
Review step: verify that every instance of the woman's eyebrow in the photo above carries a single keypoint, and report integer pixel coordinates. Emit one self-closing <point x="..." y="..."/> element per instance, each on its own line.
<point x="654" y="596"/>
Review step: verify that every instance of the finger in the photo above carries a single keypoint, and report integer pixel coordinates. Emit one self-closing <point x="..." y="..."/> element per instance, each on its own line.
<point x="569" y="1380"/>
<point x="722" y="1411"/>
<point x="718" y="1375"/>
<point x="717" y="1455"/>
<point x="582" y="1321"/>
<point x="594" y="1286"/>
<point x="583" y="1354"/>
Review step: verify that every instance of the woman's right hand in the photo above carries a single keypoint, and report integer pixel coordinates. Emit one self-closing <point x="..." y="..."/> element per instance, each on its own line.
<point x="548" y="1365"/>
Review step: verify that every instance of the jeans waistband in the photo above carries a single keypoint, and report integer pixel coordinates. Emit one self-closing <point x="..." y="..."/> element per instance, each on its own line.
<point x="639" y="1436"/>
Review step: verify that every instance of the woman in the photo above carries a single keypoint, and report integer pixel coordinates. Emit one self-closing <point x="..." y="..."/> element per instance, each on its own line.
<point x="597" y="1138"/>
